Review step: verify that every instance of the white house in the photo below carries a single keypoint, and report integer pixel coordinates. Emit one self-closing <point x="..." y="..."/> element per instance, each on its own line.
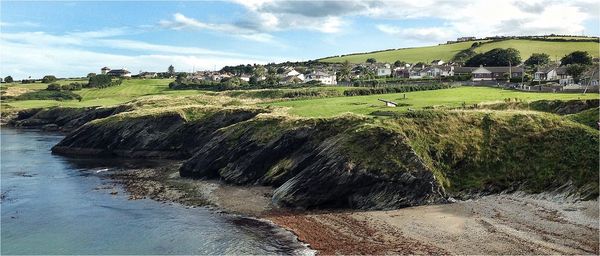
<point x="322" y="77"/>
<point x="384" y="70"/>
<point x="245" y="77"/>
<point x="545" y="74"/>
<point x="437" y="62"/>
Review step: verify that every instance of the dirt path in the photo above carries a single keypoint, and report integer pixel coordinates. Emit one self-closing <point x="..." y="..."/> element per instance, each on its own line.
<point x="502" y="224"/>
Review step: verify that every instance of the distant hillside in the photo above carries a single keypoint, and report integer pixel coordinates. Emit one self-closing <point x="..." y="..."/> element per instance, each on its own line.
<point x="555" y="49"/>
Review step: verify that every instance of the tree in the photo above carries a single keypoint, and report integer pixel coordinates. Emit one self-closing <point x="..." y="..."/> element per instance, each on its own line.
<point x="272" y="78"/>
<point x="537" y="59"/>
<point x="576" y="57"/>
<point x="345" y="71"/>
<point x="371" y="60"/>
<point x="8" y="79"/>
<point x="399" y="63"/>
<point x="463" y="55"/>
<point x="90" y="75"/>
<point x="48" y="79"/>
<point x="576" y="70"/>
<point x="100" y="81"/>
<point x="181" y="78"/>
<point x="171" y="70"/>
<point x="259" y="71"/>
<point x="495" y="57"/>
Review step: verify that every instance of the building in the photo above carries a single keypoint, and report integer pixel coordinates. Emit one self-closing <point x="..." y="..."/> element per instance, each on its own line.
<point x="496" y="73"/>
<point x="384" y="70"/>
<point x="147" y="75"/>
<point x="463" y="71"/>
<point x="563" y="77"/>
<point x="119" y="73"/>
<point x="104" y="70"/>
<point x="591" y="77"/>
<point x="322" y="77"/>
<point x="437" y="71"/>
<point x="437" y="62"/>
<point x="465" y="38"/>
<point x="545" y="74"/>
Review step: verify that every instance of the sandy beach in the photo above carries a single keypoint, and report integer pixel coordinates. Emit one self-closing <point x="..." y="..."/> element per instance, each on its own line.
<point x="497" y="224"/>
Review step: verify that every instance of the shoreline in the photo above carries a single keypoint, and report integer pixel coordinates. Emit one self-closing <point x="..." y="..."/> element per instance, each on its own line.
<point x="496" y="224"/>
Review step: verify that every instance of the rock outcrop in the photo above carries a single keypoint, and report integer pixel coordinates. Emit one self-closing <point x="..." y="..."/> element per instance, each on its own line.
<point x="349" y="161"/>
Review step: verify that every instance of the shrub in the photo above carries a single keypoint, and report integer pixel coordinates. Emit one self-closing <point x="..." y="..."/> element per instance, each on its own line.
<point x="48" y="79"/>
<point x="53" y="87"/>
<point x="49" y="95"/>
<point x="8" y="79"/>
<point x="393" y="89"/>
<point x="72" y="86"/>
<point x="102" y="81"/>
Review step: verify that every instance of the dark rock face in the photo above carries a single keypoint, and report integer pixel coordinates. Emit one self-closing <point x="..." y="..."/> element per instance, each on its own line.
<point x="311" y="168"/>
<point x="64" y="119"/>
<point x="164" y="136"/>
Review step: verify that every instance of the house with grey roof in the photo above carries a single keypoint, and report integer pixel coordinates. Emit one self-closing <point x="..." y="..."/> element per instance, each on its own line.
<point x="496" y="73"/>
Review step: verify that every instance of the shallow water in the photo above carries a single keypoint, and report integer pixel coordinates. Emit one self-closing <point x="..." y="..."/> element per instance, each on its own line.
<point x="50" y="205"/>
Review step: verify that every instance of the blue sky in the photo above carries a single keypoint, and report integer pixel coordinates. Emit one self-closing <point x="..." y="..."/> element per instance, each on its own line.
<point x="74" y="38"/>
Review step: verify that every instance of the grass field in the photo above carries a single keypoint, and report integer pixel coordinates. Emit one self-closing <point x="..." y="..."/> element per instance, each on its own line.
<point x="554" y="49"/>
<point x="411" y="55"/>
<point x="415" y="100"/>
<point x="447" y="51"/>
<point x="129" y="90"/>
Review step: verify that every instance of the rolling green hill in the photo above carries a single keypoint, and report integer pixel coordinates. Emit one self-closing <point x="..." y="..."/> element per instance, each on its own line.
<point x="555" y="49"/>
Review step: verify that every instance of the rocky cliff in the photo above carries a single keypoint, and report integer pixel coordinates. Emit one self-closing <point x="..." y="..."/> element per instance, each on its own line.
<point x="350" y="161"/>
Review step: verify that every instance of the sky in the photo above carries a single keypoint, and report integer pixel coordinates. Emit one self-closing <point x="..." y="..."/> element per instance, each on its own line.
<point x="73" y="38"/>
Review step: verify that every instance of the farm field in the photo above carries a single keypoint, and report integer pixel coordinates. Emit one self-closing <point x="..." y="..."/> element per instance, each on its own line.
<point x="455" y="97"/>
<point x="426" y="54"/>
<point x="129" y="90"/>
<point x="554" y="49"/>
<point x="447" y="51"/>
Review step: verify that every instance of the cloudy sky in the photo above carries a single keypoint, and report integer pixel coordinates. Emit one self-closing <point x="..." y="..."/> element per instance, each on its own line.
<point x="74" y="38"/>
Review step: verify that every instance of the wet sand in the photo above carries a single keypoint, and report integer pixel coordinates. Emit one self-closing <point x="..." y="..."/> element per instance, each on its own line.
<point x="499" y="224"/>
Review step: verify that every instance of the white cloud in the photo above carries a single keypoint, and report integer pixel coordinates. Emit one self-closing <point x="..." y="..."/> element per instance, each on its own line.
<point x="37" y="54"/>
<point x="459" y="18"/>
<point x="180" y="21"/>
<point x="20" y="24"/>
<point x="430" y="35"/>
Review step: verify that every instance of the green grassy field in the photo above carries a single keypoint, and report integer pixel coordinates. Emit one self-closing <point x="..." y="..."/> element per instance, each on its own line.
<point x="129" y="90"/>
<point x="554" y="49"/>
<point x="415" y="100"/>
<point x="447" y="51"/>
<point x="412" y="55"/>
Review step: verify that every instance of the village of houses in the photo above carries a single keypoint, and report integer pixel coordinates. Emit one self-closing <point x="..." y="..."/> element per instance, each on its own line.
<point x="547" y="78"/>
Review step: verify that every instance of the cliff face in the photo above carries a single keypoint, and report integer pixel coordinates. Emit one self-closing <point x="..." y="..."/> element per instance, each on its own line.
<point x="338" y="162"/>
<point x="349" y="161"/>
<point x="65" y="119"/>
<point x="164" y="135"/>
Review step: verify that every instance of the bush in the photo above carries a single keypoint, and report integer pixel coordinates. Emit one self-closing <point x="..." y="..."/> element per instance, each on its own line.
<point x="102" y="81"/>
<point x="49" y="79"/>
<point x="72" y="86"/>
<point x="393" y="89"/>
<point x="53" y="87"/>
<point x="8" y="79"/>
<point x="49" y="95"/>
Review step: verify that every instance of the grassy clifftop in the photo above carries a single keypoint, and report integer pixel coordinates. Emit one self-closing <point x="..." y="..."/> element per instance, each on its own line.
<point x="447" y="51"/>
